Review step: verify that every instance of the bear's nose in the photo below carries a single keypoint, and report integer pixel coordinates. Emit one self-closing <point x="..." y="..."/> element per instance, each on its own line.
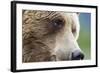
<point x="77" y="55"/>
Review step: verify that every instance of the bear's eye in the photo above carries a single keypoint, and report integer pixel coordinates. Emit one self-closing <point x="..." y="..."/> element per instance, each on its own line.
<point x="57" y="24"/>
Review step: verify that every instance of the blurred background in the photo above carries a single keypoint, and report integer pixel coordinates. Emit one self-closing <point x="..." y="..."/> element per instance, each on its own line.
<point x="84" y="39"/>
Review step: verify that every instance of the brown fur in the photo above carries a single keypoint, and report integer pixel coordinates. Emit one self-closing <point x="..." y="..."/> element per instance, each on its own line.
<point x="39" y="36"/>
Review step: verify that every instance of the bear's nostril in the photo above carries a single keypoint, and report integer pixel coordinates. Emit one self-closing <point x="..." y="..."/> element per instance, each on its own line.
<point x="77" y="55"/>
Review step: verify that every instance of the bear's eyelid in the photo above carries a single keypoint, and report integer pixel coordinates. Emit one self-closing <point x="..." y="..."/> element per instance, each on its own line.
<point x="58" y="22"/>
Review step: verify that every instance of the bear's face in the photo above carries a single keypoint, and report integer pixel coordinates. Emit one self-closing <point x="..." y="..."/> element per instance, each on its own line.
<point x="51" y="35"/>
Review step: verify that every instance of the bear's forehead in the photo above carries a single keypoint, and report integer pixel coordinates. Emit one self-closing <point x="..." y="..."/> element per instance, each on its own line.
<point x="52" y="13"/>
<point x="47" y="14"/>
<point x="38" y="14"/>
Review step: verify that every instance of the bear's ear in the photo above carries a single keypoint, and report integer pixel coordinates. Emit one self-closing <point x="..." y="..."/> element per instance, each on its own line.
<point x="78" y="13"/>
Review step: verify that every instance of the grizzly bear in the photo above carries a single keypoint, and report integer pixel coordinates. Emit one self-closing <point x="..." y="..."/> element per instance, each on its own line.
<point x="50" y="36"/>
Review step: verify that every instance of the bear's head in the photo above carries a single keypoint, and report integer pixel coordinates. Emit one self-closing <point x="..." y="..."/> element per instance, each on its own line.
<point x="50" y="36"/>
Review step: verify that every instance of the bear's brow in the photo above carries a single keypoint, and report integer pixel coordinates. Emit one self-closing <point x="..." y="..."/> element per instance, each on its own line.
<point x="46" y="14"/>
